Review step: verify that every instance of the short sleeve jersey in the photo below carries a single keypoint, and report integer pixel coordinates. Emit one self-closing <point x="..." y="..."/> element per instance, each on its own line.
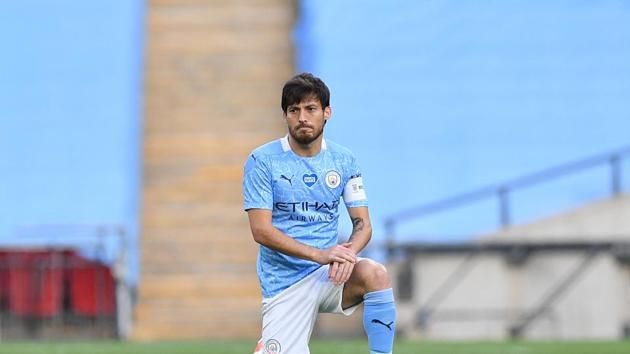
<point x="303" y="194"/>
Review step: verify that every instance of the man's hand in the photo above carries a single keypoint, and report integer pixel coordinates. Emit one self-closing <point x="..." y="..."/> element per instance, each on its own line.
<point x="339" y="273"/>
<point x="339" y="253"/>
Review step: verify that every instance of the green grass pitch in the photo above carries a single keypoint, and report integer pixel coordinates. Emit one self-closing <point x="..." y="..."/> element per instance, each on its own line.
<point x="319" y="347"/>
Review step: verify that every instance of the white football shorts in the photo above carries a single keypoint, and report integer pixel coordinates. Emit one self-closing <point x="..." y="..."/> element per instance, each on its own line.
<point x="288" y="318"/>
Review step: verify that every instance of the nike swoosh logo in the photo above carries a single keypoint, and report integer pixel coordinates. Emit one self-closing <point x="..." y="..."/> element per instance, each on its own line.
<point x="386" y="325"/>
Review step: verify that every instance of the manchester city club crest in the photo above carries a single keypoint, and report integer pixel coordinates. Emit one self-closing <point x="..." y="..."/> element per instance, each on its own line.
<point x="272" y="347"/>
<point x="333" y="179"/>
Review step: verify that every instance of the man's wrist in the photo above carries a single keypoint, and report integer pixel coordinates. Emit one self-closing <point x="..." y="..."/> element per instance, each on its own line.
<point x="315" y="255"/>
<point x="354" y="248"/>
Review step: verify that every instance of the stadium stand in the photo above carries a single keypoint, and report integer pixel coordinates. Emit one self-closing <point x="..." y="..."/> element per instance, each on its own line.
<point x="563" y="276"/>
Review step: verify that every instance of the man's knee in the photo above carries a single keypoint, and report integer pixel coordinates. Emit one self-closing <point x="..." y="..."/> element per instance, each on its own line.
<point x="373" y="275"/>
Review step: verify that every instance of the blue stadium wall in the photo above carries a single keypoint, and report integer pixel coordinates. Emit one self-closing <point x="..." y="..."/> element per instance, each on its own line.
<point x="441" y="97"/>
<point x="70" y="96"/>
<point x="435" y="98"/>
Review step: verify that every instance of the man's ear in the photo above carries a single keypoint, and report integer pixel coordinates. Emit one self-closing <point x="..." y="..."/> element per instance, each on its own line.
<point x="327" y="113"/>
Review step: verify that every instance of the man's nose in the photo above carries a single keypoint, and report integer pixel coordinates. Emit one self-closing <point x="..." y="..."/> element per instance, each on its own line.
<point x="302" y="116"/>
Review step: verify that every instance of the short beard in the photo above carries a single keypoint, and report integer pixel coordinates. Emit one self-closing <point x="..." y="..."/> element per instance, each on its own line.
<point x="305" y="140"/>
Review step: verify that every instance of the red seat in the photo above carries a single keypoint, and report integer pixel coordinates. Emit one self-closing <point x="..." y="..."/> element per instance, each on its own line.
<point x="92" y="288"/>
<point x="35" y="283"/>
<point x="32" y="284"/>
<point x="4" y="280"/>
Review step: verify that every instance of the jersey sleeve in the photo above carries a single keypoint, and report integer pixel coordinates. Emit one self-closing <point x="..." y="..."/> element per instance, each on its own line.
<point x="354" y="191"/>
<point x="257" y="189"/>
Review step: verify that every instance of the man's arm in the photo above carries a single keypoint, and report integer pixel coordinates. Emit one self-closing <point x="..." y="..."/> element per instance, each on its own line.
<point x="267" y="235"/>
<point x="340" y="272"/>
<point x="361" y="228"/>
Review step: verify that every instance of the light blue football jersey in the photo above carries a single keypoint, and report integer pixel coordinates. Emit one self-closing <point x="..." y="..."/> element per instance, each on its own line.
<point x="304" y="196"/>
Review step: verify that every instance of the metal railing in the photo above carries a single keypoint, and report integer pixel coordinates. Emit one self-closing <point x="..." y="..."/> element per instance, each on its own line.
<point x="502" y="191"/>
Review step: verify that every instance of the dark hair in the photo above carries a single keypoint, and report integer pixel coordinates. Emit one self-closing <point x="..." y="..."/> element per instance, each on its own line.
<point x="302" y="86"/>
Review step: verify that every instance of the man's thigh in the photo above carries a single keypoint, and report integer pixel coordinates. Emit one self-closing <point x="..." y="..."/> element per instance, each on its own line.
<point x="342" y="299"/>
<point x="289" y="317"/>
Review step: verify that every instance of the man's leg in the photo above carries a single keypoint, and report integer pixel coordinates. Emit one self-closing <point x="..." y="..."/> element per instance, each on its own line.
<point x="370" y="283"/>
<point x="288" y="318"/>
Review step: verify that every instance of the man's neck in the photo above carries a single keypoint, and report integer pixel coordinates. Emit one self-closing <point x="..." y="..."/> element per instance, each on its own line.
<point x="306" y="150"/>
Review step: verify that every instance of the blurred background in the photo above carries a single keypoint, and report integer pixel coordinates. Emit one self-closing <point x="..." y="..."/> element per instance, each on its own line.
<point x="494" y="138"/>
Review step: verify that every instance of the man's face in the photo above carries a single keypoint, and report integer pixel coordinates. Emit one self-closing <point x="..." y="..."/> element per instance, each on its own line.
<point x="306" y="120"/>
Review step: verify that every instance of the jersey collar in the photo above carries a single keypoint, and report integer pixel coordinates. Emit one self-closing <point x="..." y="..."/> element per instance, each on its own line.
<point x="286" y="147"/>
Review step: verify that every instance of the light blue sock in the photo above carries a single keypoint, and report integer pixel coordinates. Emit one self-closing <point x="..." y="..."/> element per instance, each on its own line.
<point x="379" y="320"/>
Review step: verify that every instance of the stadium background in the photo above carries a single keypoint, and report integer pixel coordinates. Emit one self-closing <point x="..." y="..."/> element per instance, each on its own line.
<point x="138" y="116"/>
